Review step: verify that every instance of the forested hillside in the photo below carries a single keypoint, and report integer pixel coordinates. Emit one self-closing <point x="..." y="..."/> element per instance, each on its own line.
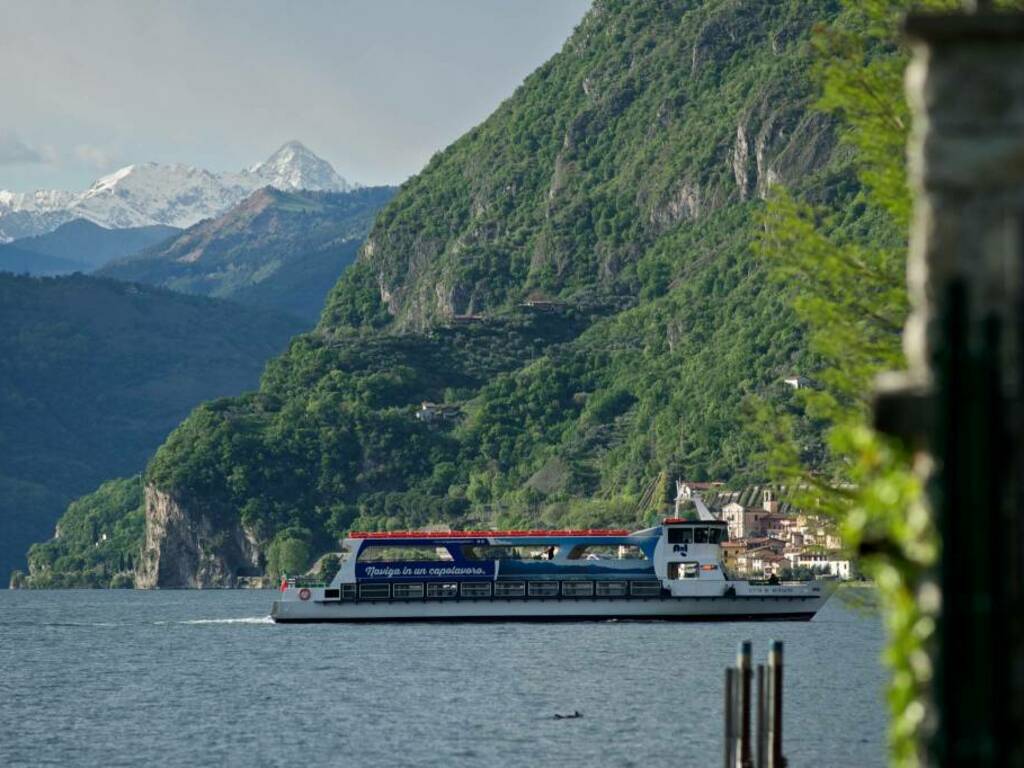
<point x="575" y="276"/>
<point x="94" y="375"/>
<point x="77" y="246"/>
<point x="276" y="250"/>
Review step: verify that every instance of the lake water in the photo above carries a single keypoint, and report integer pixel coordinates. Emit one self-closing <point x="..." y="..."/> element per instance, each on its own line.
<point x="93" y="678"/>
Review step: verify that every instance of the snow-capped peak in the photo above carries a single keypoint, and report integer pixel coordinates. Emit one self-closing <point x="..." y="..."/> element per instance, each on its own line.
<point x="176" y="195"/>
<point x="294" y="166"/>
<point x="110" y="180"/>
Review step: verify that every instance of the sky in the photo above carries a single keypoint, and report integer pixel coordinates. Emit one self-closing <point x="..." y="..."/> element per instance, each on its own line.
<point x="375" y="86"/>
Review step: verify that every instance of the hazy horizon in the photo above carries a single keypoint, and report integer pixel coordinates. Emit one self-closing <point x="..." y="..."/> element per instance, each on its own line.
<point x="375" y="88"/>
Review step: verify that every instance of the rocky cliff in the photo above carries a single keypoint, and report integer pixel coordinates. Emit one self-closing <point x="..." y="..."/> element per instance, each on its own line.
<point x="187" y="547"/>
<point x="654" y="115"/>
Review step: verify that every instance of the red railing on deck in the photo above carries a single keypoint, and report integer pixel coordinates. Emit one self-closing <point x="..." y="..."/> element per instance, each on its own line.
<point x="485" y="534"/>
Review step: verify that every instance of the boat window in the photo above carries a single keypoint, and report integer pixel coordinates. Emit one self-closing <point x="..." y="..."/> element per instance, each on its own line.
<point x="680" y="535"/>
<point x="687" y="570"/>
<point x="443" y="589"/>
<point x="476" y="589"/>
<point x="509" y="552"/>
<point x="396" y="554"/>
<point x="543" y="588"/>
<point x="374" y="591"/>
<point x="407" y="591"/>
<point x="510" y="589"/>
<point x="332" y="594"/>
<point x="611" y="589"/>
<point x="714" y="535"/>
<point x="700" y="535"/>
<point x="578" y="588"/>
<point x="645" y="588"/>
<point x="348" y="591"/>
<point x="607" y="552"/>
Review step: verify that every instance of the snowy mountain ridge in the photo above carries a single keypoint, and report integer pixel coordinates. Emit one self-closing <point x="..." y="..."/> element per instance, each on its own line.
<point x="174" y="195"/>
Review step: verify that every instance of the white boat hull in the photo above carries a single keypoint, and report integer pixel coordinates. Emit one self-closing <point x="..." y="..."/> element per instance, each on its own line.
<point x="768" y="607"/>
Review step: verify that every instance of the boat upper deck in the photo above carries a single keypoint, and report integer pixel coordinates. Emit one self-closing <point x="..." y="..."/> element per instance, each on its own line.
<point x="491" y="554"/>
<point x="486" y="534"/>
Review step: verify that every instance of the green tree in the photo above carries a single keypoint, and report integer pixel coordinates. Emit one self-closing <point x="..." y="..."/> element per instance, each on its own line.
<point x="288" y="553"/>
<point x="849" y="289"/>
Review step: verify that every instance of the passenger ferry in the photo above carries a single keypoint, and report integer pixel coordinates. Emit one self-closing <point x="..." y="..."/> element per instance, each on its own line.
<point x="673" y="571"/>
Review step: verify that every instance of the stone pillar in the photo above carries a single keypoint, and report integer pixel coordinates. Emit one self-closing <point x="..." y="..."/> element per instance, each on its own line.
<point x="962" y="399"/>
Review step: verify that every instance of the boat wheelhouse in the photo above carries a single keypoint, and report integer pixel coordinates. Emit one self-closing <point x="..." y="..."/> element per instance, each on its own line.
<point x="670" y="571"/>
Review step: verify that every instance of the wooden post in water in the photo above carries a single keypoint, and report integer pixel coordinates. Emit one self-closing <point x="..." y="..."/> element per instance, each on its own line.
<point x="762" y="716"/>
<point x="730" y="717"/>
<point x="962" y="400"/>
<point x="765" y="750"/>
<point x="743" y="667"/>
<point x="773" y="748"/>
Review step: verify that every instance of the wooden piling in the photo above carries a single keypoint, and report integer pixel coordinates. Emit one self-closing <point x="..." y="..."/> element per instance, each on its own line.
<point x="762" y="714"/>
<point x="743" y="667"/>
<point x="774" y="714"/>
<point x="730" y="717"/>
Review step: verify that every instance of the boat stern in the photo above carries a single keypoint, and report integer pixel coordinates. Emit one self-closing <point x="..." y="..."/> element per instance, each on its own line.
<point x="299" y="601"/>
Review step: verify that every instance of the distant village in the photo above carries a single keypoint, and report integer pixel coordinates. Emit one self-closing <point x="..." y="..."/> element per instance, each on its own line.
<point x="768" y="537"/>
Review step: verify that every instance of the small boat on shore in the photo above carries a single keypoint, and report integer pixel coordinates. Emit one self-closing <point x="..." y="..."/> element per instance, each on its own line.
<point x="672" y="571"/>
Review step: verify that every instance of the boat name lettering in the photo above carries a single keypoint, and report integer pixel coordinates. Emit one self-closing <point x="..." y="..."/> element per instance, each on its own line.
<point x="422" y="571"/>
<point x="679" y="549"/>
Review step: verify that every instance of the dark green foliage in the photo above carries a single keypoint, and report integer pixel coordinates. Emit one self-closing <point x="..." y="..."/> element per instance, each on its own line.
<point x="332" y="435"/>
<point x="288" y="552"/>
<point x="98" y="540"/>
<point x="77" y="246"/>
<point x="329" y="566"/>
<point x="94" y="374"/>
<point x="356" y="302"/>
<point x="19" y="261"/>
<point x="278" y="250"/>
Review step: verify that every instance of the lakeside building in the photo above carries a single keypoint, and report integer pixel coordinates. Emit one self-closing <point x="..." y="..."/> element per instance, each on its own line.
<point x="744" y="521"/>
<point x="768" y="537"/>
<point x="821" y="562"/>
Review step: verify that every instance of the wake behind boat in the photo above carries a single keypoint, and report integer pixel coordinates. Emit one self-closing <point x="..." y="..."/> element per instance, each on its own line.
<point x="673" y="571"/>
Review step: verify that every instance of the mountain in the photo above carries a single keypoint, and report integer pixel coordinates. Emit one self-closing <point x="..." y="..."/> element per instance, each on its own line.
<point x="576" y="277"/>
<point x="293" y="166"/>
<point x="23" y="215"/>
<point x="95" y="374"/>
<point x="176" y="195"/>
<point x="19" y="261"/>
<point x="77" y="246"/>
<point x="279" y="250"/>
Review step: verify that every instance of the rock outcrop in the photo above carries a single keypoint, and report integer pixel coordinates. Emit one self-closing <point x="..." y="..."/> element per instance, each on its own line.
<point x="778" y="145"/>
<point x="187" y="547"/>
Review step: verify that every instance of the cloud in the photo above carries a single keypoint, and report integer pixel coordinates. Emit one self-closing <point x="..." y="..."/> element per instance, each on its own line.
<point x="13" y="151"/>
<point x="95" y="157"/>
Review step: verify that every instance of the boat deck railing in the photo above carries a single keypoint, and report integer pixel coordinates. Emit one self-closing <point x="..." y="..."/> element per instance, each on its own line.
<point x="296" y="582"/>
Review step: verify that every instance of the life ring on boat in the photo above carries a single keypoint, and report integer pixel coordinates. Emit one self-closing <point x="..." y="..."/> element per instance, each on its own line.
<point x="304" y="594"/>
